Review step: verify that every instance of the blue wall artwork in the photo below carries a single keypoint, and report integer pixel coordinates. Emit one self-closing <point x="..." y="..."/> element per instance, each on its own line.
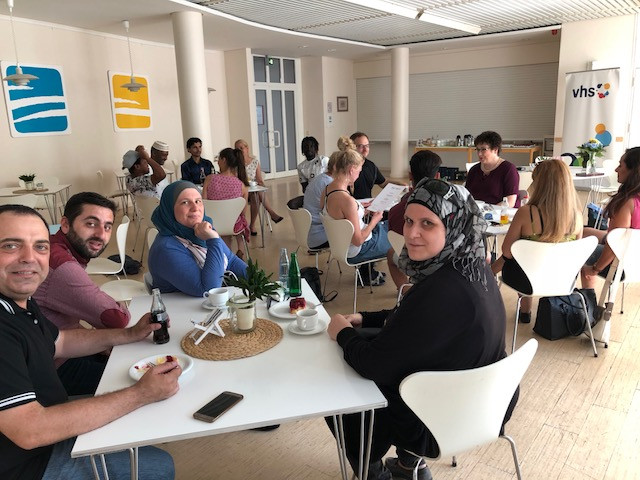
<point x="39" y="108"/>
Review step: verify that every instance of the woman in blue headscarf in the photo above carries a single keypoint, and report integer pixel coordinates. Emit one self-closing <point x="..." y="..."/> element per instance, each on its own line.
<point x="188" y="255"/>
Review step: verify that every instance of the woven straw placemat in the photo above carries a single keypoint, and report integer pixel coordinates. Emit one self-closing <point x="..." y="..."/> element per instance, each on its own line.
<point x="234" y="345"/>
<point x="25" y="191"/>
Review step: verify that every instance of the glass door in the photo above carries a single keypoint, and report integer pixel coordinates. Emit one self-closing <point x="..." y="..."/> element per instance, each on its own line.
<point x="276" y="93"/>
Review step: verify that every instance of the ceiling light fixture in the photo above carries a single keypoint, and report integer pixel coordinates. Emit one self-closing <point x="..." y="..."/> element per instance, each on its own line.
<point x="19" y="78"/>
<point x="132" y="86"/>
<point x="417" y="14"/>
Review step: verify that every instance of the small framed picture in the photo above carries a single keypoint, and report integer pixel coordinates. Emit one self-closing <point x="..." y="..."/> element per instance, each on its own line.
<point x="343" y="104"/>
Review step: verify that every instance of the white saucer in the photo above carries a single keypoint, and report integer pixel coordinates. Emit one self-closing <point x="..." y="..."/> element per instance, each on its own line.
<point x="208" y="306"/>
<point x="141" y="366"/>
<point x="321" y="327"/>
<point x="281" y="310"/>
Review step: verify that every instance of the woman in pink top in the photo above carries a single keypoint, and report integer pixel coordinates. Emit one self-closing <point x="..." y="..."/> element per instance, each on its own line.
<point x="231" y="182"/>
<point x="623" y="211"/>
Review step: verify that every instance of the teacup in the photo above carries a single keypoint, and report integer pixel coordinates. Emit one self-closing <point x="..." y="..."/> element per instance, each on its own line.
<point x="253" y="183"/>
<point x="217" y="296"/>
<point x="307" y="319"/>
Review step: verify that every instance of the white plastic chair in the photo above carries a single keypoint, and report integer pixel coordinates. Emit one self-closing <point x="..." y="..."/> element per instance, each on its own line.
<point x="464" y="409"/>
<point x="301" y="219"/>
<point x="397" y="243"/>
<point x="625" y="243"/>
<point x="152" y="233"/>
<point x="124" y="290"/>
<point x="28" y="200"/>
<point x="339" y="234"/>
<point x="224" y="214"/>
<point x="552" y="270"/>
<point x="104" y="266"/>
<point x="123" y="195"/>
<point x="144" y="209"/>
<point x="468" y="165"/>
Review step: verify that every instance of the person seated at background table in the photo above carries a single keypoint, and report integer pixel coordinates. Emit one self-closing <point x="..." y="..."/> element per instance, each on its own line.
<point x="230" y="183"/>
<point x="370" y="175"/>
<point x="423" y="164"/>
<point x="623" y="211"/>
<point x="551" y="215"/>
<point x="453" y="318"/>
<point x="493" y="178"/>
<point x="139" y="182"/>
<point x="38" y="424"/>
<point x="160" y="153"/>
<point x="188" y="255"/>
<point x="317" y="237"/>
<point x="370" y="240"/>
<point x="68" y="294"/>
<point x="254" y="174"/>
<point x="195" y="168"/>
<point x="314" y="164"/>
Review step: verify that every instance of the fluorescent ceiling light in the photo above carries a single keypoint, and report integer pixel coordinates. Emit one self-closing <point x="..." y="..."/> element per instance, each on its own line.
<point x="417" y="14"/>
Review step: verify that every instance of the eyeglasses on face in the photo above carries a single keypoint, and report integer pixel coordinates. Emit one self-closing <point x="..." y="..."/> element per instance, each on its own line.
<point x="482" y="149"/>
<point x="362" y="145"/>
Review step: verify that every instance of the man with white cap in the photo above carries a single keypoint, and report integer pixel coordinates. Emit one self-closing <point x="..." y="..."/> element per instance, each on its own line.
<point x="160" y="153"/>
<point x="139" y="182"/>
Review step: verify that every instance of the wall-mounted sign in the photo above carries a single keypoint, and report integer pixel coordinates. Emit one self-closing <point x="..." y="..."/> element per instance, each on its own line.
<point x="131" y="110"/>
<point x="40" y="107"/>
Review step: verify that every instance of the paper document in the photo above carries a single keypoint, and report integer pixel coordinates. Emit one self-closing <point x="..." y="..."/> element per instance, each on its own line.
<point x="388" y="197"/>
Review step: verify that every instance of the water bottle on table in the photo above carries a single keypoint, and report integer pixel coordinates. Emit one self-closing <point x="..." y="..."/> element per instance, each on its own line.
<point x="295" y="281"/>
<point x="283" y="271"/>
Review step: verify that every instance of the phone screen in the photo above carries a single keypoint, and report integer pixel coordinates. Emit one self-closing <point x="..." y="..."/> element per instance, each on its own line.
<point x="217" y="406"/>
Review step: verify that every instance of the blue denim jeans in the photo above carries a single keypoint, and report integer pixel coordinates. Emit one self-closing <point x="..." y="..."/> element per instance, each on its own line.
<point x="153" y="464"/>
<point x="376" y="247"/>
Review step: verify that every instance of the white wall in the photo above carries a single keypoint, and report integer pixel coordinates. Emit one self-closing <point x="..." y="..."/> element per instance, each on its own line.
<point x="240" y="96"/>
<point x="85" y="58"/>
<point x="609" y="40"/>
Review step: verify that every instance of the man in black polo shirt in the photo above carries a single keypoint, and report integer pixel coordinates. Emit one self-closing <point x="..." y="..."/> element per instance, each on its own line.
<point x="38" y="425"/>
<point x="370" y="175"/>
<point x="195" y="168"/>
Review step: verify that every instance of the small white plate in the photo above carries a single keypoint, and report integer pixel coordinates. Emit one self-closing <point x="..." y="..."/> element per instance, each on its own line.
<point x="281" y="310"/>
<point x="208" y="306"/>
<point x="139" y="368"/>
<point x="320" y="327"/>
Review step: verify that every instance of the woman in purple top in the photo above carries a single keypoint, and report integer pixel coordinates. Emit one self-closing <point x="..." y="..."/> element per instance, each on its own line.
<point x="493" y="178"/>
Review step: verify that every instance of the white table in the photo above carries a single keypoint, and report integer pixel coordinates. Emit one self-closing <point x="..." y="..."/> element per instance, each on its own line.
<point x="301" y="377"/>
<point x="50" y="194"/>
<point x="259" y="191"/>
<point x="494" y="230"/>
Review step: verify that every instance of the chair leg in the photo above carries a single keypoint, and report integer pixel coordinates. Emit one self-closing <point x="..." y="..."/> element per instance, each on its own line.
<point x="370" y="274"/>
<point x="515" y="326"/>
<point x="514" y="451"/>
<point x="622" y="300"/>
<point x="355" y="288"/>
<point x="586" y="315"/>
<point x="246" y="247"/>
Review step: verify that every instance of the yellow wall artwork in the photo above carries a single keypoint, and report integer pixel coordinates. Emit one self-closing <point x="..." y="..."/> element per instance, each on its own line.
<point x="131" y="110"/>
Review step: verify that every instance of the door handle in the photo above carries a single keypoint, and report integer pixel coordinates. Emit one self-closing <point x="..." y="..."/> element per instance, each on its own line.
<point x="277" y="138"/>
<point x="265" y="144"/>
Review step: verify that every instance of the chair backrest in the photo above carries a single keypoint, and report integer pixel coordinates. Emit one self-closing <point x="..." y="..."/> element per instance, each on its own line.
<point x="224" y="213"/>
<point x="121" y="238"/>
<point x="568" y="158"/>
<point x="339" y="233"/>
<point x="552" y="268"/>
<point x="625" y="243"/>
<point x="145" y="207"/>
<point x="152" y="233"/>
<point x="28" y="200"/>
<point x="468" y="165"/>
<point x="301" y="219"/>
<point x="525" y="180"/>
<point x="464" y="409"/>
<point x="396" y="240"/>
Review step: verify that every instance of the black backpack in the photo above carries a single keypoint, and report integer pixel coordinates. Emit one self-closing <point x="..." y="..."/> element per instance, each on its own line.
<point x="312" y="276"/>
<point x="131" y="266"/>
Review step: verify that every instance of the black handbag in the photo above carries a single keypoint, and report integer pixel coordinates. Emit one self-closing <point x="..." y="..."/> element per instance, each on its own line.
<point x="559" y="317"/>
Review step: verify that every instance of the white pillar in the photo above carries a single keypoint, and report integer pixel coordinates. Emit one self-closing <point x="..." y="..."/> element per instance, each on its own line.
<point x="192" y="79"/>
<point x="399" y="112"/>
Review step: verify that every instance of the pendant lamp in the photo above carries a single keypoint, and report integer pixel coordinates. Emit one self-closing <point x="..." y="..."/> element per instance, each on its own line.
<point x="132" y="86"/>
<point x="19" y="78"/>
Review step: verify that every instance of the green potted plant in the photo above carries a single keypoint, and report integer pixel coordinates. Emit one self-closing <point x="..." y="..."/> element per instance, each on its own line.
<point x="28" y="181"/>
<point x="255" y="285"/>
<point x="589" y="150"/>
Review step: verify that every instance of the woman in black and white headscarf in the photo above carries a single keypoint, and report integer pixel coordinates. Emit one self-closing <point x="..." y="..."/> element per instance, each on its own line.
<point x="452" y="318"/>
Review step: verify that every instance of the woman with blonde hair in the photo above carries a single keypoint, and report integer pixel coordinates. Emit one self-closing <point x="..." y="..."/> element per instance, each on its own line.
<point x="369" y="241"/>
<point x="254" y="174"/>
<point x="551" y="215"/>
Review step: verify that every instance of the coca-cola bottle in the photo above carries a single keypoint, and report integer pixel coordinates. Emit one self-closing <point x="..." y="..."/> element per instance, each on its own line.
<point x="159" y="315"/>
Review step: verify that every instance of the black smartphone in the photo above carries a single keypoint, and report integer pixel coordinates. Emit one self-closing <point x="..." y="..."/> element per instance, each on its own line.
<point x="217" y="406"/>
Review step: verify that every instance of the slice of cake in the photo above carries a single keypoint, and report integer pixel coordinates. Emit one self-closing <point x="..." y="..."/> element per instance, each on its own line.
<point x="296" y="304"/>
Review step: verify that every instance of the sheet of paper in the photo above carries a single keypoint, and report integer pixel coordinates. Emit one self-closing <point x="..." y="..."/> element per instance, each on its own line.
<point x="387" y="198"/>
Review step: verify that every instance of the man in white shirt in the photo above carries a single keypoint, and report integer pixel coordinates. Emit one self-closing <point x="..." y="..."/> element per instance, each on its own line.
<point x="314" y="164"/>
<point x="160" y="153"/>
<point x="139" y="182"/>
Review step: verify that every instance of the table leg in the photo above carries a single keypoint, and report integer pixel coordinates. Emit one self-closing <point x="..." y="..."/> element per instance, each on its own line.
<point x="52" y="213"/>
<point x="365" y="448"/>
<point x="339" y="434"/>
<point x="133" y="455"/>
<point x="262" y="213"/>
